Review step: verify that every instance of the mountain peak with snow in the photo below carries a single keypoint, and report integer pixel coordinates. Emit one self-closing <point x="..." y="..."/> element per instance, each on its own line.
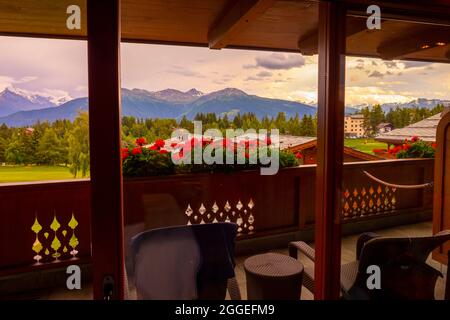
<point x="13" y="99"/>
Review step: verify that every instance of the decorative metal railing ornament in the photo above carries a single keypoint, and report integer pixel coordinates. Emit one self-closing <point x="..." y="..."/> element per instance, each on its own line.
<point x="237" y="212"/>
<point x="366" y="201"/>
<point x="60" y="238"/>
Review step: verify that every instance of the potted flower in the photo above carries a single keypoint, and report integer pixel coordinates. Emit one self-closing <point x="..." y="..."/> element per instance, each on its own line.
<point x="158" y="159"/>
<point x="417" y="148"/>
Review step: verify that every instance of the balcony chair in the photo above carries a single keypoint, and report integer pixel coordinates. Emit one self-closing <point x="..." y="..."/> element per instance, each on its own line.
<point x="185" y="262"/>
<point x="402" y="261"/>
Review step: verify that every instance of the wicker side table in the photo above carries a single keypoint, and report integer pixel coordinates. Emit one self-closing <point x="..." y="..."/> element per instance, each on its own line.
<point x="273" y="276"/>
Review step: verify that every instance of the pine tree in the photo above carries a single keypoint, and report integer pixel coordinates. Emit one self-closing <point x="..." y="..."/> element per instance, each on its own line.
<point x="79" y="146"/>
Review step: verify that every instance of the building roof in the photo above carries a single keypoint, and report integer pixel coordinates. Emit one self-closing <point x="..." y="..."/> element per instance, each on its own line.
<point x="356" y="116"/>
<point x="384" y="124"/>
<point x="425" y="130"/>
<point x="287" y="142"/>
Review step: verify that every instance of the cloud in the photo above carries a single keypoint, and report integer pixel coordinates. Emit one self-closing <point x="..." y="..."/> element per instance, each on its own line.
<point x="374" y="94"/>
<point x="264" y="74"/>
<point x="220" y="81"/>
<point x="277" y="61"/>
<point x="7" y="81"/>
<point x="259" y="76"/>
<point x="415" y="64"/>
<point x="183" y="71"/>
<point x="376" y="74"/>
<point x="26" y="79"/>
<point x="391" y="64"/>
<point x="252" y="78"/>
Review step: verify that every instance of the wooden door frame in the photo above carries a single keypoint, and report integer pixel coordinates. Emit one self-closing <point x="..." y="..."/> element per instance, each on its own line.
<point x="105" y="149"/>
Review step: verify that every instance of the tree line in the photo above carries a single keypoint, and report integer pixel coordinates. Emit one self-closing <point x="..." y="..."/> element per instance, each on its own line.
<point x="398" y="117"/>
<point x="62" y="142"/>
<point x="153" y="129"/>
<point x="66" y="143"/>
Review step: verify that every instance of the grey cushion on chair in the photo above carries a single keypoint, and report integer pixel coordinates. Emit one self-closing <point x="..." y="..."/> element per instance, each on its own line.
<point x="184" y="262"/>
<point x="404" y="271"/>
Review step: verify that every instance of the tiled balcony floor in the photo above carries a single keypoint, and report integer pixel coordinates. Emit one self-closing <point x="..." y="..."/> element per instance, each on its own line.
<point x="348" y="254"/>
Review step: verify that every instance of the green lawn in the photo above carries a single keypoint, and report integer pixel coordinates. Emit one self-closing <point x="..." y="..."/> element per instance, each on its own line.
<point x="37" y="173"/>
<point x="33" y="173"/>
<point x="365" y="145"/>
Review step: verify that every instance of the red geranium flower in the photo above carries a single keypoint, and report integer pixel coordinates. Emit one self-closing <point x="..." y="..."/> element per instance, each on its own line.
<point x="433" y="145"/>
<point x="246" y="155"/>
<point x="153" y="147"/>
<point x="160" y="143"/>
<point x="162" y="151"/>
<point x="406" y="146"/>
<point x="178" y="156"/>
<point x="396" y="149"/>
<point x="268" y="141"/>
<point x="194" y="142"/>
<point x="141" y="141"/>
<point x="205" y="141"/>
<point x="298" y="155"/>
<point x="173" y="144"/>
<point x="414" y="139"/>
<point x="226" y="142"/>
<point x="137" y="150"/>
<point x="125" y="153"/>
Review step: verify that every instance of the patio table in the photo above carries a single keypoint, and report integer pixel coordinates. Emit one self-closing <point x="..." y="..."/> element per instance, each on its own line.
<point x="273" y="276"/>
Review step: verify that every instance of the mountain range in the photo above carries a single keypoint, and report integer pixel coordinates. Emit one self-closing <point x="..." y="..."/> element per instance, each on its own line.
<point x="416" y="103"/>
<point x="17" y="110"/>
<point x="20" y="108"/>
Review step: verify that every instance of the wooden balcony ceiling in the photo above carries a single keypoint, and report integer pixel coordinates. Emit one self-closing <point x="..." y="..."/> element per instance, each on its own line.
<point x="286" y="25"/>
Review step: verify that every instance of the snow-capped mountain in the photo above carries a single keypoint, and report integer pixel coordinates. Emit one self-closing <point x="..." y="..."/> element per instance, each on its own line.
<point x="171" y="103"/>
<point x="416" y="103"/>
<point x="172" y="95"/>
<point x="13" y="100"/>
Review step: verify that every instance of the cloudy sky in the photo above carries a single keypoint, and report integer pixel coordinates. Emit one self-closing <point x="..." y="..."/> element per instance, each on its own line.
<point x="59" y="68"/>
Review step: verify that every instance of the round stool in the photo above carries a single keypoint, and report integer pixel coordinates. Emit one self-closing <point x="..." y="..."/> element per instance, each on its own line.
<point x="273" y="276"/>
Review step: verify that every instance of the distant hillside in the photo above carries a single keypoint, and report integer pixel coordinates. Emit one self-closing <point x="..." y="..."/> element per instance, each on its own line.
<point x="416" y="103"/>
<point x="171" y="103"/>
<point x="68" y="110"/>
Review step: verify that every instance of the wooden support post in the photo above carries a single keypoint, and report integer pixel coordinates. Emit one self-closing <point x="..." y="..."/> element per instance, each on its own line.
<point x="106" y="167"/>
<point x="330" y="139"/>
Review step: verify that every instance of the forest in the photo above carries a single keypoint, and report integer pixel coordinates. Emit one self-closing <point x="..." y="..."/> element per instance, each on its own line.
<point x="66" y="143"/>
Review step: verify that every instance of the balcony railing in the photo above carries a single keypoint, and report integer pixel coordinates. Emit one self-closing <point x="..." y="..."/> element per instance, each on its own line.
<point x="43" y="225"/>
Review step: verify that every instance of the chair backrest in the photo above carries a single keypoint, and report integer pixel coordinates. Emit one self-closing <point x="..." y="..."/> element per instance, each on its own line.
<point x="402" y="262"/>
<point x="184" y="262"/>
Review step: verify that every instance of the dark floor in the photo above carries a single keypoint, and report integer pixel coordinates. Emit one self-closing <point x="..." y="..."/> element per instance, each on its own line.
<point x="348" y="254"/>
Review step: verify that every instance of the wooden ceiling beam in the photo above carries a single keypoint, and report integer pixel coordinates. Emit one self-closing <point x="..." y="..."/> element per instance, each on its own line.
<point x="308" y="44"/>
<point x="406" y="44"/>
<point x="235" y="20"/>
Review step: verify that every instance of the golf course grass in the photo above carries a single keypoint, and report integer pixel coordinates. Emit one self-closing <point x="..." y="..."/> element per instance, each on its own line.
<point x="33" y="173"/>
<point x="365" y="145"/>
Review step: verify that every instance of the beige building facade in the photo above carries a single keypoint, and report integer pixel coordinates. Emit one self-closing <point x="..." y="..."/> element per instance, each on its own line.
<point x="354" y="126"/>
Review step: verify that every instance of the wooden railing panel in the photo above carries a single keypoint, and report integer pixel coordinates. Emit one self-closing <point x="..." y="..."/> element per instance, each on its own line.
<point x="270" y="205"/>
<point x="37" y="227"/>
<point x="364" y="197"/>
